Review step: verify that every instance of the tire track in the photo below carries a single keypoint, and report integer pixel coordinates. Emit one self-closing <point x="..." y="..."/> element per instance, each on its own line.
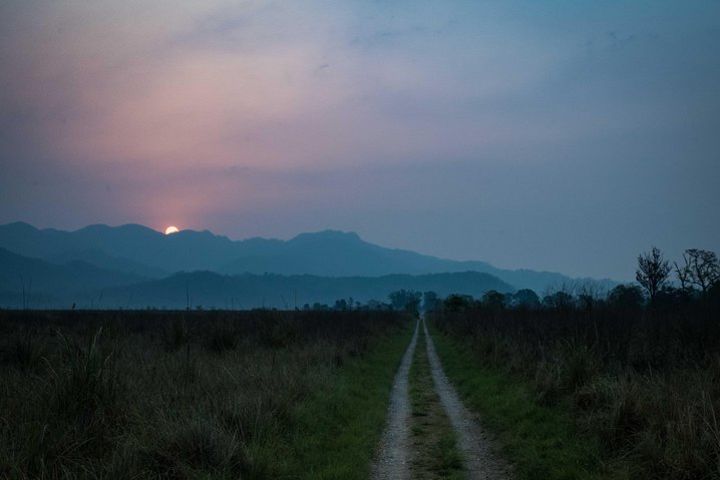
<point x="392" y="461"/>
<point x="480" y="461"/>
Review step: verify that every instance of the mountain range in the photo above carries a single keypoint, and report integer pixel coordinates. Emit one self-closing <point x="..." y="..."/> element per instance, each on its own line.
<point x="133" y="261"/>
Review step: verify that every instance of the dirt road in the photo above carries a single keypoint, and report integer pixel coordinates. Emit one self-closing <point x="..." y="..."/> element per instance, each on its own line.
<point x="393" y="458"/>
<point x="392" y="461"/>
<point x="479" y="459"/>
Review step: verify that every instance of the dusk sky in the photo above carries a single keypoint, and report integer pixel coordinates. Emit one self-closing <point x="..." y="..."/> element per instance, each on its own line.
<point x="565" y="136"/>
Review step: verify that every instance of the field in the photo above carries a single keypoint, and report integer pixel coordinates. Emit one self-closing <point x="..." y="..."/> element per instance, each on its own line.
<point x="593" y="391"/>
<point x="195" y="394"/>
<point x="585" y="389"/>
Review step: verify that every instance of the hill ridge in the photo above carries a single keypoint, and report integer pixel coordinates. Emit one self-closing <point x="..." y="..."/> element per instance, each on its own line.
<point x="330" y="252"/>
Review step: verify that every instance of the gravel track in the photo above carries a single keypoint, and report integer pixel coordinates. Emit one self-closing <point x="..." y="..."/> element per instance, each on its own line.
<point x="475" y="445"/>
<point x="392" y="461"/>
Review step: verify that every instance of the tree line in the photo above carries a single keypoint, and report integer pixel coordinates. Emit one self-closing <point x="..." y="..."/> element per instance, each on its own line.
<point x="661" y="284"/>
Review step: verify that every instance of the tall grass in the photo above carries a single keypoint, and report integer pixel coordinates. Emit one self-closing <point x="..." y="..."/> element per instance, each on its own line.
<point x="172" y="394"/>
<point x="643" y="383"/>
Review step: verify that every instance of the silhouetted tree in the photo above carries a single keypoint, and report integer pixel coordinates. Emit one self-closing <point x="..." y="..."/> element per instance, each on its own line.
<point x="525" y="298"/>
<point x="671" y="299"/>
<point x="701" y="269"/>
<point x="683" y="276"/>
<point x="559" y="301"/>
<point x="588" y="296"/>
<point x="586" y="301"/>
<point x="626" y="297"/>
<point x="493" y="300"/>
<point x="458" y="303"/>
<point x="405" y="300"/>
<point x="431" y="301"/>
<point x="652" y="272"/>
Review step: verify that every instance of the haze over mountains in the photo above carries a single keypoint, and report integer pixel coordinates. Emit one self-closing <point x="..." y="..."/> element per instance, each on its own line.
<point x="136" y="266"/>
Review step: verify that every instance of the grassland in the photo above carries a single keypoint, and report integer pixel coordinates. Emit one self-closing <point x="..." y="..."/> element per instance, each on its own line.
<point x="600" y="392"/>
<point x="542" y="441"/>
<point x="194" y="394"/>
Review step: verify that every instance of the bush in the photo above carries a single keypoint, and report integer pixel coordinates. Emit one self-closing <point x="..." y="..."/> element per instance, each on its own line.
<point x="86" y="384"/>
<point x="196" y="445"/>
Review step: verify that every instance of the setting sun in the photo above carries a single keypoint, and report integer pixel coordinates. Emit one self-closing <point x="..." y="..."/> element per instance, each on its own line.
<point x="171" y="229"/>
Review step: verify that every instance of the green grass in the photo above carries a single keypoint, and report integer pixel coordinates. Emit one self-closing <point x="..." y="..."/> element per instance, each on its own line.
<point x="541" y="442"/>
<point x="250" y="395"/>
<point x="434" y="444"/>
<point x="340" y="427"/>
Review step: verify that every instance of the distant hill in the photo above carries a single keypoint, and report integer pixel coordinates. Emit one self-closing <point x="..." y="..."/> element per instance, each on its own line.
<point x="46" y="284"/>
<point x="139" y="246"/>
<point x="142" y="251"/>
<point x="279" y="291"/>
<point x="105" y="261"/>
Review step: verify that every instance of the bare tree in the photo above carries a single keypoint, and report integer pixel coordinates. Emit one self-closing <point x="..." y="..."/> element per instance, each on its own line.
<point x="683" y="275"/>
<point x="652" y="272"/>
<point x="701" y="269"/>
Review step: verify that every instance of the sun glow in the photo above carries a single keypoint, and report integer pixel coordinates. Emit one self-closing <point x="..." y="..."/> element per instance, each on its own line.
<point x="171" y="229"/>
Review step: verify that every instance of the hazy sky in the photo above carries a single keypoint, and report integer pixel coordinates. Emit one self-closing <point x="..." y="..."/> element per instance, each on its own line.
<point x="560" y="135"/>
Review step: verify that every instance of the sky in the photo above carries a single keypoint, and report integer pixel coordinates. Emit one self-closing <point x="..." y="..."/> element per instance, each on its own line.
<point x="557" y="135"/>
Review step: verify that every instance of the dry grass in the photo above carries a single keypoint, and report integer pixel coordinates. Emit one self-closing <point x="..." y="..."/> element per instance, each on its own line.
<point x="171" y="395"/>
<point x="644" y="385"/>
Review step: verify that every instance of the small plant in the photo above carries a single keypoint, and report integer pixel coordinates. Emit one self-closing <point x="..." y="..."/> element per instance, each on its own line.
<point x="195" y="445"/>
<point x="86" y="384"/>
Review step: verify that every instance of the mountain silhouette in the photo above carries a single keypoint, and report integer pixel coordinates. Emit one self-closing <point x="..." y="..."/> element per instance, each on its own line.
<point x="139" y="250"/>
<point x="33" y="283"/>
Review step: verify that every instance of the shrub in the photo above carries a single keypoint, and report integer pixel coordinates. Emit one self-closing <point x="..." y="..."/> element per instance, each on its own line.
<point x="196" y="445"/>
<point x="85" y="384"/>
